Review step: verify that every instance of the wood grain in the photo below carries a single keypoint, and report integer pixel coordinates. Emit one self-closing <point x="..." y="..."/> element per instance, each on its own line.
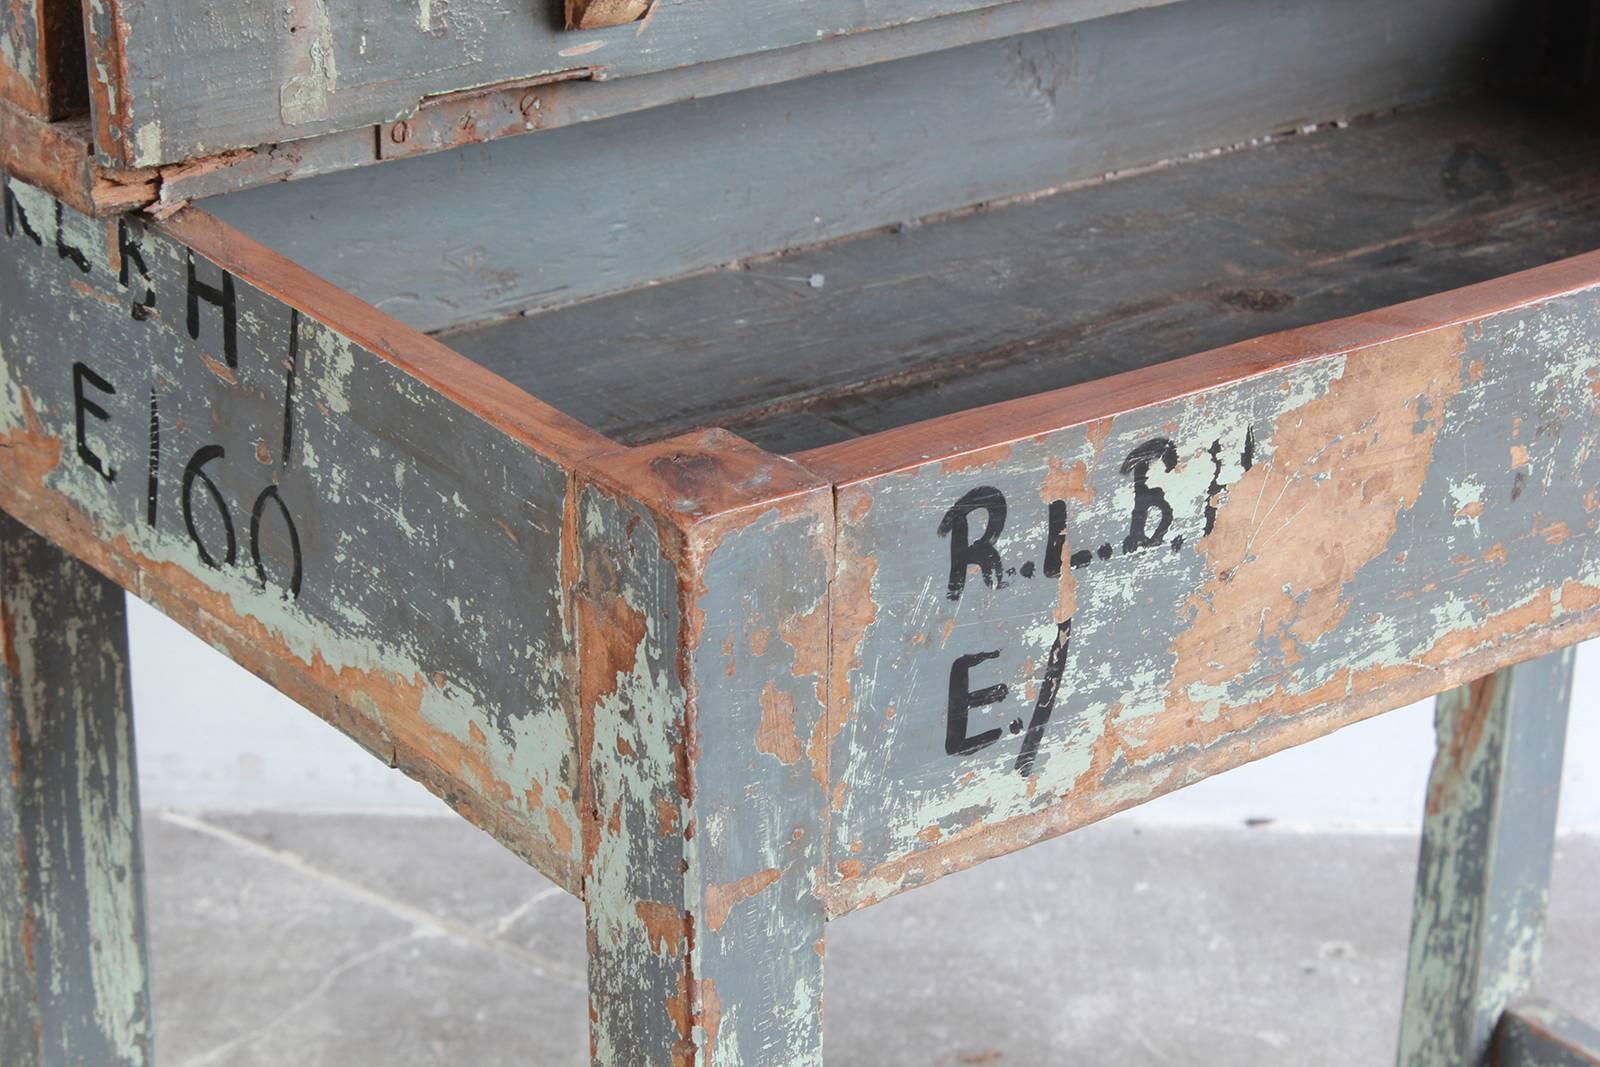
<point x="998" y="304"/>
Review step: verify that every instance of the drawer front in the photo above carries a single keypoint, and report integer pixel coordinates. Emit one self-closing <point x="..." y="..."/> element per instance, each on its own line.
<point x="1317" y="527"/>
<point x="253" y="73"/>
<point x="331" y="522"/>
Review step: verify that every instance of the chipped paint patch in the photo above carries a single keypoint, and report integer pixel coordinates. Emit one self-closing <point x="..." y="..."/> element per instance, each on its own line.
<point x="311" y="72"/>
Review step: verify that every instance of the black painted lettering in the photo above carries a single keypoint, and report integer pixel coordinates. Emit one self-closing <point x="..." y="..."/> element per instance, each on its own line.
<point x="957" y="741"/>
<point x="192" y="473"/>
<point x="131" y="255"/>
<point x="152" y="484"/>
<point x="225" y="298"/>
<point x="965" y="552"/>
<point x="1055" y="539"/>
<point x="17" y="217"/>
<point x="65" y="250"/>
<point x="297" y="572"/>
<point x="84" y="407"/>
<point x="1148" y="499"/>
<point x="1247" y="460"/>
<point x="288" y="387"/>
<point x="1215" y="488"/>
<point x="1045" y="705"/>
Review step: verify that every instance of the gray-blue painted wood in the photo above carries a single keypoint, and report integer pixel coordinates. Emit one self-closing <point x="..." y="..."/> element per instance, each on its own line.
<point x="74" y="980"/>
<point x="705" y="662"/>
<point x="298" y="495"/>
<point x="1536" y="1034"/>
<point x="997" y="304"/>
<point x="1484" y="873"/>
<point x="532" y="222"/>
<point x="261" y="72"/>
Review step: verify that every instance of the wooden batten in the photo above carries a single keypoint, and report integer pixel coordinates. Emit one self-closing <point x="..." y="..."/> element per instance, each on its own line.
<point x="59" y="157"/>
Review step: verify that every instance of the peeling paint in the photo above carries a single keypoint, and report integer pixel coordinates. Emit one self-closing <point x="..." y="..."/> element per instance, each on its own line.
<point x="463" y="681"/>
<point x="311" y="73"/>
<point x="71" y="893"/>
<point x="1487" y="849"/>
<point x="1240" y="574"/>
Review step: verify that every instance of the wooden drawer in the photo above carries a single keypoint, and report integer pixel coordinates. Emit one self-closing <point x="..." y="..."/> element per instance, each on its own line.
<point x="348" y="84"/>
<point x="923" y="517"/>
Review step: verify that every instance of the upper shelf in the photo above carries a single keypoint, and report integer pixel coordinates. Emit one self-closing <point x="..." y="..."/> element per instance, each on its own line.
<point x="170" y="105"/>
<point x="170" y="86"/>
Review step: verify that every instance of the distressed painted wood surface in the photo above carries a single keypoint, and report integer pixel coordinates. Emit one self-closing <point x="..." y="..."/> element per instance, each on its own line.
<point x="285" y="472"/>
<point x="1541" y="1035"/>
<point x="505" y="110"/>
<point x="704" y="687"/>
<point x="59" y="157"/>
<point x="1488" y="842"/>
<point x="257" y="74"/>
<point x="74" y="980"/>
<point x="1063" y="289"/>
<point x="42" y="57"/>
<point x="1049" y="610"/>
<point x="461" y="118"/>
<point x="441" y="242"/>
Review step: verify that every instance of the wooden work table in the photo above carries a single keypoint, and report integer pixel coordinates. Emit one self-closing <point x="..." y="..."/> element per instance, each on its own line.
<point x="836" y="448"/>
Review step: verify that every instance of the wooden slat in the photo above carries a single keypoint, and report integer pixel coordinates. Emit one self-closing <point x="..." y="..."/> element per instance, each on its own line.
<point x="1541" y="1035"/>
<point x="461" y="118"/>
<point x="1483" y="877"/>
<point x="1256" y="546"/>
<point x="348" y="509"/>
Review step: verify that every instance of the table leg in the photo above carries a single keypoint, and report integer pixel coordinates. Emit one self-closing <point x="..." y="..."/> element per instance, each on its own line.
<point x="74" y="982"/>
<point x="704" y="788"/>
<point x="1484" y="872"/>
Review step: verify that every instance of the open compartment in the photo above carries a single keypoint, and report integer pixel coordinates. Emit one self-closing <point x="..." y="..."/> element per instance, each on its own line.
<point x="808" y="263"/>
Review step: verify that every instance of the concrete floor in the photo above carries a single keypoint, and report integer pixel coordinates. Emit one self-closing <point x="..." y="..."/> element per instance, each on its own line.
<point x="354" y="940"/>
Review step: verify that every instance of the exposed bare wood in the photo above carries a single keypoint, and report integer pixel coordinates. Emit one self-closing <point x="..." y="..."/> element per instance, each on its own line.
<point x="1055" y="585"/>
<point x="597" y="14"/>
<point x="57" y="157"/>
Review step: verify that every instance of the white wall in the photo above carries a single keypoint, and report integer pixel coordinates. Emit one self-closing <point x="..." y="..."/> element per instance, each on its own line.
<point x="211" y="736"/>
